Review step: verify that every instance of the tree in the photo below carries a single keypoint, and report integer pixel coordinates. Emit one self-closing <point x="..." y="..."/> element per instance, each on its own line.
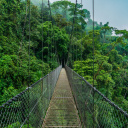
<point x="105" y="29"/>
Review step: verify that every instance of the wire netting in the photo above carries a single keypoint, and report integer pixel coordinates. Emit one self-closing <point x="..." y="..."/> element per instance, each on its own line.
<point x="95" y="110"/>
<point x="29" y="107"/>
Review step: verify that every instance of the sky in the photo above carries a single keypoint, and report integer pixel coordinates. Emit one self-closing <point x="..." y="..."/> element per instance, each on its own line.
<point x="113" y="11"/>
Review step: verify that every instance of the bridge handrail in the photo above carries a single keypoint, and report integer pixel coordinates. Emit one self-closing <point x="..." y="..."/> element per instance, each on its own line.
<point x="90" y="101"/>
<point x="32" y="102"/>
<point x="109" y="101"/>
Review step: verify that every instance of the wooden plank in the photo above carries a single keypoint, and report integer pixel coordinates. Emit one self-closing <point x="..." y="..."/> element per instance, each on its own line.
<point x="62" y="110"/>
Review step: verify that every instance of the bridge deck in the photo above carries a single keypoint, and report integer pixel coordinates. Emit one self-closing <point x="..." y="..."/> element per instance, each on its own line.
<point x="62" y="112"/>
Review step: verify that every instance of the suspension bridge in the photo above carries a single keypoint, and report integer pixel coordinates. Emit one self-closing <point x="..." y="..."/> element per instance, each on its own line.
<point x="61" y="99"/>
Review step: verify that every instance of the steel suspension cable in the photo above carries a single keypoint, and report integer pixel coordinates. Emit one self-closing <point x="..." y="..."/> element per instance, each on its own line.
<point x="93" y="67"/>
<point x="76" y="41"/>
<point x="72" y="30"/>
<point x="22" y="37"/>
<point x="48" y="33"/>
<point x="56" y="53"/>
<point x="71" y="39"/>
<point x="73" y="56"/>
<point x="29" y="59"/>
<point x="42" y="87"/>
<point x="76" y="52"/>
<point x="57" y="50"/>
<point x="81" y="39"/>
<point x="53" y="31"/>
<point x="42" y="38"/>
<point x="52" y="42"/>
<point x="51" y="28"/>
<point x="81" y="58"/>
<point x="24" y="23"/>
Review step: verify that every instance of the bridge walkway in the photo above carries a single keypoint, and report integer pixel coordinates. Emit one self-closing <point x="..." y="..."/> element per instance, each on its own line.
<point x="62" y="112"/>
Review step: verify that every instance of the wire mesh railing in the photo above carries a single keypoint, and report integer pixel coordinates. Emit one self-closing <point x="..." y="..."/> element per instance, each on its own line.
<point x="95" y="110"/>
<point x="29" y="107"/>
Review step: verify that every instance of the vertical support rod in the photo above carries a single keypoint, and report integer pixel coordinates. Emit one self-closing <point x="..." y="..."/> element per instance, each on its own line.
<point x="42" y="63"/>
<point x="93" y="67"/>
<point x="29" y="60"/>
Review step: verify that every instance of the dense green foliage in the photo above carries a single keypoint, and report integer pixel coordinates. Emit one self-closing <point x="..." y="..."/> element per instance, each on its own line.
<point x="110" y="62"/>
<point x="110" y="53"/>
<point x="14" y="47"/>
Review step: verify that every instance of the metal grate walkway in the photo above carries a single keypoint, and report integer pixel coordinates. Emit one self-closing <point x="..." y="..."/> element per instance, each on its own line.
<point x="62" y="112"/>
